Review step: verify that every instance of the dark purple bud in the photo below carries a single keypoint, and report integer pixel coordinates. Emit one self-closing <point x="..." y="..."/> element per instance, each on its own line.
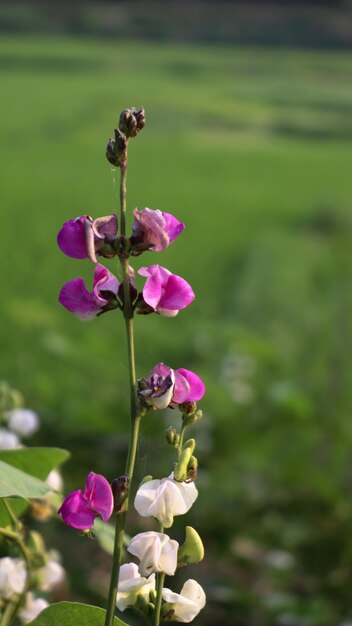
<point x="132" y="121"/>
<point x="116" y="149"/>
<point x="120" y="488"/>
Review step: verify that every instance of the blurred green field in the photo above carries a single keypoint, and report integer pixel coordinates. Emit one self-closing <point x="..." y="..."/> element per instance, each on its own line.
<point x="251" y="148"/>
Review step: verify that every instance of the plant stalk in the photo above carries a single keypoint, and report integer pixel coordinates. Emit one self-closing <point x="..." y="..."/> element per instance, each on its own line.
<point x="135" y="415"/>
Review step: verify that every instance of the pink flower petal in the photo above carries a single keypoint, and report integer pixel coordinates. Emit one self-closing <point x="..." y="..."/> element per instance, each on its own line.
<point x="75" y="297"/>
<point x="75" y="511"/>
<point x="104" y="281"/>
<point x="177" y="294"/>
<point x="196" y="385"/>
<point x="154" y="285"/>
<point x="99" y="495"/>
<point x="182" y="388"/>
<point x="173" y="226"/>
<point x="71" y="238"/>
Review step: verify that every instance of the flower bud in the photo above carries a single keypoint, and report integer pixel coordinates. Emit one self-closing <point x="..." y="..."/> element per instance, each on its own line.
<point x="192" y="550"/>
<point x="192" y="469"/>
<point x="171" y="435"/>
<point x="190" y="416"/>
<point x="132" y="121"/>
<point x="116" y="149"/>
<point x="119" y="487"/>
<point x="190" y="443"/>
<point x="181" y="467"/>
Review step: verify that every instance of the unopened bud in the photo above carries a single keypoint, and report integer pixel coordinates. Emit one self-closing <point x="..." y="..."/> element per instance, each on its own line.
<point x="119" y="487"/>
<point x="171" y="435"/>
<point x="146" y="479"/>
<point x="192" y="550"/>
<point x="181" y="467"/>
<point x="132" y="121"/>
<point x="191" y="444"/>
<point x="116" y="149"/>
<point x="192" y="469"/>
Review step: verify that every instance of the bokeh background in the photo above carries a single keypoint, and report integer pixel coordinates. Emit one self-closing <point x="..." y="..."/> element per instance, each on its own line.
<point x="248" y="141"/>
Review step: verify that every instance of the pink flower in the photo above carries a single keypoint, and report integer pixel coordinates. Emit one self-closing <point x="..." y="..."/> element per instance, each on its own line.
<point x="154" y="230"/>
<point x="75" y="297"/>
<point x="83" y="237"/>
<point x="167" y="387"/>
<point x="164" y="292"/>
<point x="79" y="510"/>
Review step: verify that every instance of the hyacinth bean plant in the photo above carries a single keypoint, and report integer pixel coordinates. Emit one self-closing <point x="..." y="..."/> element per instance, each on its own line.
<point x="139" y="586"/>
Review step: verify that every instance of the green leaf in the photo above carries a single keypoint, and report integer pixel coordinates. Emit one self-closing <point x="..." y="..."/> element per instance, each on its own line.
<point x="37" y="462"/>
<point x="73" y="614"/>
<point x="14" y="482"/>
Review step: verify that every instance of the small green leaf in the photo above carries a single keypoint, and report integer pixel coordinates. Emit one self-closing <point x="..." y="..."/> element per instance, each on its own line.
<point x="73" y="614"/>
<point x="15" y="483"/>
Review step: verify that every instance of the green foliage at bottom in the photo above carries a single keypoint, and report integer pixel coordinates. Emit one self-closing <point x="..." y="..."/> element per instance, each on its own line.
<point x="71" y="614"/>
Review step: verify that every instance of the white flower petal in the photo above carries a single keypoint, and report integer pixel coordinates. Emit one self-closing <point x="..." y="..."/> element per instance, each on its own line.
<point x="8" y="440"/>
<point x="188" y="603"/>
<point x="163" y="499"/>
<point x="131" y="585"/>
<point x="51" y="575"/>
<point x="155" y="551"/>
<point x="24" y="422"/>
<point x="13" y="576"/>
<point x="32" y="608"/>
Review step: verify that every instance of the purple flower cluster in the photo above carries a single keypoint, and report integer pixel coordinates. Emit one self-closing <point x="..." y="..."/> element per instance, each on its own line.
<point x="81" y="238"/>
<point x="163" y="293"/>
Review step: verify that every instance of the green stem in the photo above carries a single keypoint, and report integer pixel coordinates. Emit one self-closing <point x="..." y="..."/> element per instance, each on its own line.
<point x="135" y="414"/>
<point x="9" y="614"/>
<point x="180" y="443"/>
<point x="15" y="522"/>
<point x="160" y="577"/>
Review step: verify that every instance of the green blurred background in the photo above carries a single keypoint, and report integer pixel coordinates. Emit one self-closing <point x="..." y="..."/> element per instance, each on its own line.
<point x="248" y="140"/>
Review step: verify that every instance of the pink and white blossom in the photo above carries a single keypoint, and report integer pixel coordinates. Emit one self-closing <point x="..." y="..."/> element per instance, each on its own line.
<point x="75" y="297"/>
<point x="13" y="577"/>
<point x="164" y="292"/>
<point x="154" y="230"/>
<point x="165" y="387"/>
<point x="83" y="238"/>
<point x="32" y="608"/>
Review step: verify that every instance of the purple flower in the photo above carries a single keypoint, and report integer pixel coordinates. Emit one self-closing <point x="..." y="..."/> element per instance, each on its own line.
<point x="79" y="510"/>
<point x="154" y="230"/>
<point x="164" y="292"/>
<point x="83" y="237"/>
<point x="88" y="304"/>
<point x="167" y="387"/>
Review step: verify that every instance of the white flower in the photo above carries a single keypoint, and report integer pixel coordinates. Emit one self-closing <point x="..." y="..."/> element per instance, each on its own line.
<point x="155" y="551"/>
<point x="54" y="480"/>
<point x="165" y="498"/>
<point x="12" y="577"/>
<point x="187" y="604"/>
<point x="51" y="575"/>
<point x="32" y="608"/>
<point x="8" y="441"/>
<point x="24" y="422"/>
<point x="131" y="585"/>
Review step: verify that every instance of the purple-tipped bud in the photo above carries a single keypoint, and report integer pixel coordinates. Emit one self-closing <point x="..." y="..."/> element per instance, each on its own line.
<point x="164" y="292"/>
<point x="75" y="297"/>
<point x="132" y="121"/>
<point x="116" y="149"/>
<point x="153" y="230"/>
<point x="167" y="387"/>
<point x="79" y="510"/>
<point x="83" y="238"/>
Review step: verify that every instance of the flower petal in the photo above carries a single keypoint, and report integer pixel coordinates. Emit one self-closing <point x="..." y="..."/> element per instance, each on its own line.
<point x="75" y="297"/>
<point x="99" y="495"/>
<point x="75" y="511"/>
<point x="157" y="277"/>
<point x="177" y="294"/>
<point x="173" y="226"/>
<point x="196" y="385"/>
<point x="71" y="238"/>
